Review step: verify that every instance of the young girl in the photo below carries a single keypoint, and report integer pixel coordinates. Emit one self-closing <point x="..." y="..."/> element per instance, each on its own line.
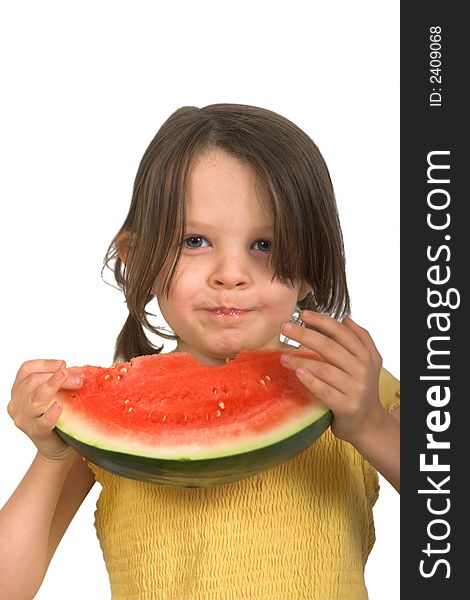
<point x="233" y="229"/>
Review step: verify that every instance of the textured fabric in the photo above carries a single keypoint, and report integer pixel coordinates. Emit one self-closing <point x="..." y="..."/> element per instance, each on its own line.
<point x="302" y="530"/>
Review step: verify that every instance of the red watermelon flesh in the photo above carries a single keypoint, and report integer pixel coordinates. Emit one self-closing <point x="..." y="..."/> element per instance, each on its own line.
<point x="173" y="408"/>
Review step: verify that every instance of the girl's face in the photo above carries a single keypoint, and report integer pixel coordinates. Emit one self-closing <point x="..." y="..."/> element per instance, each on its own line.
<point x="223" y="299"/>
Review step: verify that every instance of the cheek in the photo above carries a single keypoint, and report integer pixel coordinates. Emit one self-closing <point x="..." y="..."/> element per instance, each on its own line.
<point x="282" y="300"/>
<point x="185" y="286"/>
<point x="184" y="281"/>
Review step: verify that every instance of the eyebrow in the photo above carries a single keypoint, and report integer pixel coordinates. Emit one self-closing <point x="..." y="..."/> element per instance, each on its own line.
<point x="196" y="224"/>
<point x="201" y="225"/>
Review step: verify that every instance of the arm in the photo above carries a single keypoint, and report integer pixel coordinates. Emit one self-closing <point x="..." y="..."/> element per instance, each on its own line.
<point x="347" y="381"/>
<point x="379" y="443"/>
<point x="34" y="519"/>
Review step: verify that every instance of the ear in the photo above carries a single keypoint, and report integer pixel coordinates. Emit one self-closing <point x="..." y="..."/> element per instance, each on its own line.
<point x="303" y="291"/>
<point x="123" y="244"/>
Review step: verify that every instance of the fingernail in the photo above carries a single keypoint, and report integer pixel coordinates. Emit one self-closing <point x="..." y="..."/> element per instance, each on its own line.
<point x="285" y="359"/>
<point x="76" y="379"/>
<point x="288" y="326"/>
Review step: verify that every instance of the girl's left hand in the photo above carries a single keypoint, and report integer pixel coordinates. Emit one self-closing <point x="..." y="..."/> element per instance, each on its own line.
<point x="347" y="382"/>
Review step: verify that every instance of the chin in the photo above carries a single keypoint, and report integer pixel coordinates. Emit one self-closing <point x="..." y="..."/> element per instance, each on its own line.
<point x="229" y="347"/>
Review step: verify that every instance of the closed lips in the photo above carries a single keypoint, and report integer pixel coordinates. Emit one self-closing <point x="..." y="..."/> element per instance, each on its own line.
<point x="228" y="311"/>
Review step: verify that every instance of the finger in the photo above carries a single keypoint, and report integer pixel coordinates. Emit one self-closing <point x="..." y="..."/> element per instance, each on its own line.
<point x="44" y="395"/>
<point x="347" y="337"/>
<point x="36" y="366"/>
<point x="73" y="381"/>
<point x="29" y="385"/>
<point x="46" y="422"/>
<point x="329" y="374"/>
<point x="364" y="336"/>
<point x="329" y="396"/>
<point x="331" y="350"/>
<point x="27" y="401"/>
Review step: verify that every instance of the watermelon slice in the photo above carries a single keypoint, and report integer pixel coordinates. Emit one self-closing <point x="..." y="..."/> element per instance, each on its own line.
<point x="169" y="419"/>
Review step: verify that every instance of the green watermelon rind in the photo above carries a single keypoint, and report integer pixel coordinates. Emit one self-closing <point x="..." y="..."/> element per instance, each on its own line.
<point x="213" y="470"/>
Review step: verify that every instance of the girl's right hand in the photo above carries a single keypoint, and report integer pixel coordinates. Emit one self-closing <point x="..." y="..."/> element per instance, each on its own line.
<point x="35" y="406"/>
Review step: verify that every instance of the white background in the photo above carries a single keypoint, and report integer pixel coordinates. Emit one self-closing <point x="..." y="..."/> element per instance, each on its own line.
<point x="85" y="87"/>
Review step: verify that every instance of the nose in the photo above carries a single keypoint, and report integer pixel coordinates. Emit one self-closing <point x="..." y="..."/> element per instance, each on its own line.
<point x="230" y="271"/>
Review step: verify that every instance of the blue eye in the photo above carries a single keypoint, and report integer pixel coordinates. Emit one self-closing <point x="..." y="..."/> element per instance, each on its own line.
<point x="195" y="241"/>
<point x="263" y="245"/>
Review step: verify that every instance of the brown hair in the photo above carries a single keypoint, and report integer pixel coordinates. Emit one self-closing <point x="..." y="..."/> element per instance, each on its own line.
<point x="307" y="241"/>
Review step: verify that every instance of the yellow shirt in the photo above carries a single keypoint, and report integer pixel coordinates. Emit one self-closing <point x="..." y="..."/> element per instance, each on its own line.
<point x="302" y="530"/>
